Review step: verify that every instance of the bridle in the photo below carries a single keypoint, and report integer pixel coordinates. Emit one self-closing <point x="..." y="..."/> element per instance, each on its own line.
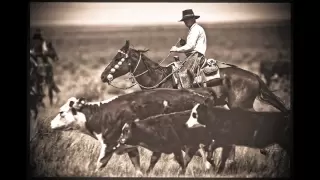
<point x="131" y="74"/>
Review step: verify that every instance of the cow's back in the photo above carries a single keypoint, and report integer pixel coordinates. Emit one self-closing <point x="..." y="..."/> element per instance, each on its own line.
<point x="169" y="131"/>
<point x="146" y="103"/>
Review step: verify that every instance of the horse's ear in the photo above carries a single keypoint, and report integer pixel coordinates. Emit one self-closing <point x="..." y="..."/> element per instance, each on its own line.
<point x="126" y="46"/>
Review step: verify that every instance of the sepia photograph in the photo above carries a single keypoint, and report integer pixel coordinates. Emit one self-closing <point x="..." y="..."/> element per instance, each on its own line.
<point x="160" y="89"/>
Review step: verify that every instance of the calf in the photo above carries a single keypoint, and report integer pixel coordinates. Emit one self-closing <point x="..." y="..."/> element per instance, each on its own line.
<point x="165" y="133"/>
<point x="104" y="120"/>
<point x="242" y="128"/>
<point x="269" y="68"/>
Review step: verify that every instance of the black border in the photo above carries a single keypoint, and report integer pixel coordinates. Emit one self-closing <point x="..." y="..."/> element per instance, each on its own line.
<point x="297" y="46"/>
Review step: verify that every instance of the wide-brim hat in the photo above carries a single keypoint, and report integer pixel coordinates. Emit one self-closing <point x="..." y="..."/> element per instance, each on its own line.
<point x="187" y="14"/>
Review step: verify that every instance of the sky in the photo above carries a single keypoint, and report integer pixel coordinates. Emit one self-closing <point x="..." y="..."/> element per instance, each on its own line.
<point x="88" y="13"/>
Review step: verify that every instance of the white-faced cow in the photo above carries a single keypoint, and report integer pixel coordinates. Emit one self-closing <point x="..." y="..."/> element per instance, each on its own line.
<point x="104" y="120"/>
<point x="241" y="127"/>
<point x="165" y="133"/>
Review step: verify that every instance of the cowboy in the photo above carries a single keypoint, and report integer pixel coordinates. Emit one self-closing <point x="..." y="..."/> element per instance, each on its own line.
<point x="194" y="48"/>
<point x="38" y="50"/>
<point x="39" y="45"/>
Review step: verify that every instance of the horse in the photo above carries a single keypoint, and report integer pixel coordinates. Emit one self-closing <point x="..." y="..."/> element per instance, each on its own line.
<point x="49" y="78"/>
<point x="238" y="87"/>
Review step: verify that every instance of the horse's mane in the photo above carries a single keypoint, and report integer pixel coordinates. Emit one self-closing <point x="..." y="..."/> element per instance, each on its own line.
<point x="139" y="50"/>
<point x="153" y="65"/>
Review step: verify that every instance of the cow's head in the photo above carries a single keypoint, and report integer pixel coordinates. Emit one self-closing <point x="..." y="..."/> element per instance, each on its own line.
<point x="200" y="114"/>
<point x="70" y="116"/>
<point x="126" y="133"/>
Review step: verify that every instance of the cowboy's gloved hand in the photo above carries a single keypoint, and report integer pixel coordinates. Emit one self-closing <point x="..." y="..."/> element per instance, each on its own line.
<point x="182" y="42"/>
<point x="174" y="49"/>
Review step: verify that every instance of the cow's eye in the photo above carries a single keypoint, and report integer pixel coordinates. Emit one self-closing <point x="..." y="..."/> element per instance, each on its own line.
<point x="194" y="115"/>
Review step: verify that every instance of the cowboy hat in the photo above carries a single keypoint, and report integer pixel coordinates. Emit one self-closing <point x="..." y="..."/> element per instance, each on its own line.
<point x="187" y="14"/>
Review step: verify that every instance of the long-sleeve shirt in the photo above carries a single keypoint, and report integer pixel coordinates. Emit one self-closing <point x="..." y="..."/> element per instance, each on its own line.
<point x="196" y="40"/>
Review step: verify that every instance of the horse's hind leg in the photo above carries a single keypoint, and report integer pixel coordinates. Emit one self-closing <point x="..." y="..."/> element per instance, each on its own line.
<point x="154" y="159"/>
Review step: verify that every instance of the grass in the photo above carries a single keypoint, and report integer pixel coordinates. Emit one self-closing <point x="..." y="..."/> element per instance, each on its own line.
<point x="84" y="53"/>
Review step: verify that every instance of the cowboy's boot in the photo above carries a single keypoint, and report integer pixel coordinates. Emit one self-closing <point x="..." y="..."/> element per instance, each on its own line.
<point x="175" y="76"/>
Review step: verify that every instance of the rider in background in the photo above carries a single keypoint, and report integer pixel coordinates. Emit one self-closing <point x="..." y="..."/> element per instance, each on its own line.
<point x="38" y="49"/>
<point x="196" y="44"/>
<point x="39" y="45"/>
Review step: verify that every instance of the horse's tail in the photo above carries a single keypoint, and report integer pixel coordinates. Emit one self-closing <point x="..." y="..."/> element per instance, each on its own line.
<point x="266" y="96"/>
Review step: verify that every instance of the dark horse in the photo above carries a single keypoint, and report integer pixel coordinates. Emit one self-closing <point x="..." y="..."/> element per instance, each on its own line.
<point x="238" y="88"/>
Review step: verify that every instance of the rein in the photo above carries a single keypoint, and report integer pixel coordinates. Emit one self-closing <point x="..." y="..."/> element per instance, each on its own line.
<point x="133" y="77"/>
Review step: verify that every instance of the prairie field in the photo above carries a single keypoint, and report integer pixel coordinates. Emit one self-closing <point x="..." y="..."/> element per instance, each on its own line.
<point x="84" y="53"/>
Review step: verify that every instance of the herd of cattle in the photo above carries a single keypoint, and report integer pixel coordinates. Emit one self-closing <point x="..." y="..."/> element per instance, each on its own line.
<point x="169" y="121"/>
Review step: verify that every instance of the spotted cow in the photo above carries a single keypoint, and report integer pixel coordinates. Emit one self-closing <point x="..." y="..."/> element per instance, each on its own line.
<point x="165" y="133"/>
<point x="104" y="120"/>
<point x="241" y="127"/>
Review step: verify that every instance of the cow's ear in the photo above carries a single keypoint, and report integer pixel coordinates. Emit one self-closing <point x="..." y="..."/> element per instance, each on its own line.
<point x="133" y="124"/>
<point x="71" y="103"/>
<point x="209" y="102"/>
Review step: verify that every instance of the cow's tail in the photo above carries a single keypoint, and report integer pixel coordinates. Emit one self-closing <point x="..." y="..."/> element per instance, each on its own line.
<point x="266" y="96"/>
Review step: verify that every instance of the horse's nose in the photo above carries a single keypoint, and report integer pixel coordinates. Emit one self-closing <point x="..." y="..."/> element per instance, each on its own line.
<point x="104" y="78"/>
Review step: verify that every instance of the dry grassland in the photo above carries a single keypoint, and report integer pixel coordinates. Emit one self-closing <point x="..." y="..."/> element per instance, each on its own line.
<point x="84" y="53"/>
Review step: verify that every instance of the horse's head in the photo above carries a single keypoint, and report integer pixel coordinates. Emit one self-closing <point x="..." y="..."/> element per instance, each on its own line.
<point x="124" y="62"/>
<point x="119" y="65"/>
<point x="51" y="52"/>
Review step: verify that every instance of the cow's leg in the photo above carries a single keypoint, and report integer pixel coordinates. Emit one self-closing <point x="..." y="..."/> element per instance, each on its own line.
<point x="50" y="94"/>
<point x="226" y="151"/>
<point x="103" y="158"/>
<point x="135" y="159"/>
<point x="212" y="147"/>
<point x="178" y="156"/>
<point x="154" y="159"/>
<point x="202" y="151"/>
<point x="190" y="152"/>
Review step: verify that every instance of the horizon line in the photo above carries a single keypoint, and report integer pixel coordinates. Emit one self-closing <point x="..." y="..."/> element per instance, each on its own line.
<point x="159" y="24"/>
